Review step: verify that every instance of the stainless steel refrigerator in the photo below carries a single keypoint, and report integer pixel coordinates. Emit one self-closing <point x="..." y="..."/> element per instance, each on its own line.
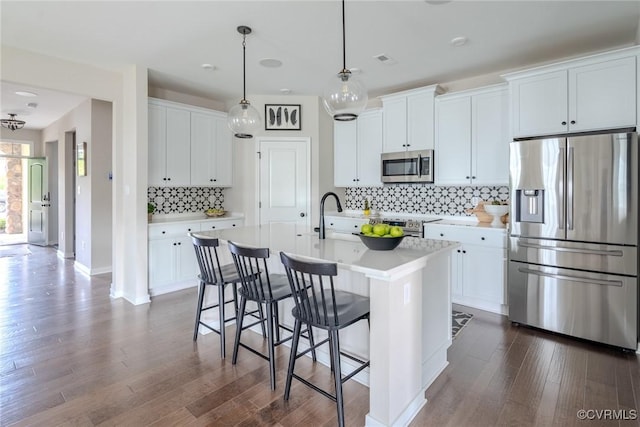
<point x="573" y="245"/>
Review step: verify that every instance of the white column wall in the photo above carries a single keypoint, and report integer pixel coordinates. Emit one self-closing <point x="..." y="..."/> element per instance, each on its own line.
<point x="32" y="69"/>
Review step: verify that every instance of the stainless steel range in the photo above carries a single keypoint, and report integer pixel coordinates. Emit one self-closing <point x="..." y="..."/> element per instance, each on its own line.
<point x="410" y="226"/>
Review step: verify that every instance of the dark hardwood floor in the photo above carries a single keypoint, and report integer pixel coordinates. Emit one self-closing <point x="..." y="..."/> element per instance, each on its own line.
<point x="70" y="355"/>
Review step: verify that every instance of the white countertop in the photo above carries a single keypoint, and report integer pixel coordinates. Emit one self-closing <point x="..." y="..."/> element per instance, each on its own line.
<point x="462" y="221"/>
<point x="346" y="250"/>
<point x="192" y="217"/>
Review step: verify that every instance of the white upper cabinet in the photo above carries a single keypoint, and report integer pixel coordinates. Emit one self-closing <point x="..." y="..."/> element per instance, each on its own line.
<point x="357" y="148"/>
<point x="211" y="149"/>
<point x="169" y="146"/>
<point x="472" y="137"/>
<point x="188" y="146"/>
<point x="409" y="119"/>
<point x="593" y="93"/>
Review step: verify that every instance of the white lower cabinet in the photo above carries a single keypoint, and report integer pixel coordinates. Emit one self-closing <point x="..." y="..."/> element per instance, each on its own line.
<point x="172" y="260"/>
<point x="343" y="224"/>
<point x="477" y="267"/>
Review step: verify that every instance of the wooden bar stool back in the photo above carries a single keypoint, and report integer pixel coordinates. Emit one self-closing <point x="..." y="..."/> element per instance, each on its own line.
<point x="263" y="288"/>
<point x="320" y="305"/>
<point x="213" y="274"/>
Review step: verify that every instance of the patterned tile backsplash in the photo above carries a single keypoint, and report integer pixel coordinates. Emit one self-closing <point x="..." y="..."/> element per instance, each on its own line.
<point x="422" y="198"/>
<point x="185" y="199"/>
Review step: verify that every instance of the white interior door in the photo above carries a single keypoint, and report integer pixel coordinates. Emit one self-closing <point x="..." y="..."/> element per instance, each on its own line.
<point x="38" y="202"/>
<point x="284" y="180"/>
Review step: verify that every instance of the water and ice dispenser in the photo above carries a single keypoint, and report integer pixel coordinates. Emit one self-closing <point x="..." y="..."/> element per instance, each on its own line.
<point x="530" y="205"/>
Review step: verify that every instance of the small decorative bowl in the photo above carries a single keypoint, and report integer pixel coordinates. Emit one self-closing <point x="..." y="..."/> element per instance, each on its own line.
<point x="380" y="243"/>
<point x="215" y="214"/>
<point x="496" y="211"/>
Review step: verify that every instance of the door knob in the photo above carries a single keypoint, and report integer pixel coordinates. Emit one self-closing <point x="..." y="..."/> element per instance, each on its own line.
<point x="301" y="214"/>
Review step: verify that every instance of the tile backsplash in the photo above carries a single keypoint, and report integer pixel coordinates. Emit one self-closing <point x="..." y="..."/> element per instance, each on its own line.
<point x="185" y="199"/>
<point x="423" y="198"/>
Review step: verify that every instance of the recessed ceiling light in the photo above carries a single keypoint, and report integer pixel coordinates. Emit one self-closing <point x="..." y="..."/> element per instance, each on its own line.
<point x="270" y="62"/>
<point x="208" y="66"/>
<point x="458" y="41"/>
<point x="25" y="93"/>
<point x="285" y="91"/>
<point x="385" y="59"/>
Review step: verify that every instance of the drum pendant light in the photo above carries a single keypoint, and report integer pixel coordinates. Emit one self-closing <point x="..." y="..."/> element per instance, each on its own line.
<point x="345" y="97"/>
<point x="243" y="119"/>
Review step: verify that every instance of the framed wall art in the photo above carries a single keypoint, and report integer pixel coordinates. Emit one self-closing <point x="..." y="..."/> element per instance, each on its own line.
<point x="81" y="158"/>
<point x="282" y="117"/>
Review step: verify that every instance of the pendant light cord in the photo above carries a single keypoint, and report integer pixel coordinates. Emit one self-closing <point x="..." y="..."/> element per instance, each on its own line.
<point x="244" y="67"/>
<point x="344" y="43"/>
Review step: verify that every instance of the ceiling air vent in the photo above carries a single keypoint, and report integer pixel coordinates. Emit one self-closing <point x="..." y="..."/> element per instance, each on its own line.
<point x="385" y="59"/>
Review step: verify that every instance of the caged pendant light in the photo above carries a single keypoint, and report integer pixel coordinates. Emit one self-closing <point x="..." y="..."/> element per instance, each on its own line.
<point x="243" y="119"/>
<point x="12" y="123"/>
<point x="346" y="96"/>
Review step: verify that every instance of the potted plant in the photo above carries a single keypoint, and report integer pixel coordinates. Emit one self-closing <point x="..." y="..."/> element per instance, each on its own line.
<point x="151" y="208"/>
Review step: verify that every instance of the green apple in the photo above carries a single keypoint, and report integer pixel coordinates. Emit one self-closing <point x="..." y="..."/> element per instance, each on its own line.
<point x="396" y="231"/>
<point x="366" y="229"/>
<point x="380" y="229"/>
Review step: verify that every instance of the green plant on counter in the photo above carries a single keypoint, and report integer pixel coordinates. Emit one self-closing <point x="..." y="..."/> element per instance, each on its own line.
<point x="151" y="208"/>
<point x="3" y="223"/>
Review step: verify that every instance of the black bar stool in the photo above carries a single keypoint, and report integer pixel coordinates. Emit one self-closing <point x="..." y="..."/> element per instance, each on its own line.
<point x="319" y="305"/>
<point x="213" y="274"/>
<point x="259" y="286"/>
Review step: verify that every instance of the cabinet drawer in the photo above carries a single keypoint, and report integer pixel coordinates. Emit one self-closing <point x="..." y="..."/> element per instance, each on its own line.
<point x="172" y="229"/>
<point x="222" y="224"/>
<point x="348" y="225"/>
<point x="468" y="235"/>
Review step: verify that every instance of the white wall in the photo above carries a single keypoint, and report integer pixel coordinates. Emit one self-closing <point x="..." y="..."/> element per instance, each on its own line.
<point x="98" y="169"/>
<point x="35" y="70"/>
<point x="24" y="135"/>
<point x="92" y="123"/>
<point x="315" y="124"/>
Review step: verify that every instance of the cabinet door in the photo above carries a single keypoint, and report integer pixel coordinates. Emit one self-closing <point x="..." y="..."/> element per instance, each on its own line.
<point x="453" y="136"/>
<point x="395" y="124"/>
<point x="178" y="147"/>
<point x="369" y="147"/>
<point x="345" y="154"/>
<point x="186" y="262"/>
<point x="484" y="273"/>
<point x="162" y="265"/>
<point x="603" y="95"/>
<point x="223" y="153"/>
<point x="540" y="104"/>
<point x="490" y="138"/>
<point x="420" y="121"/>
<point x="157" y="146"/>
<point x="203" y="149"/>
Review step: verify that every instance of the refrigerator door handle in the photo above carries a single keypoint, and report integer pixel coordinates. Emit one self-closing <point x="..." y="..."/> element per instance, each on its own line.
<point x="561" y="187"/>
<point x="572" y="250"/>
<point x="571" y="278"/>
<point x="570" y="188"/>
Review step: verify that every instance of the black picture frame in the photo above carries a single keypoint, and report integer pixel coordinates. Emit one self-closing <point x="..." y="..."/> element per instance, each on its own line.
<point x="282" y="117"/>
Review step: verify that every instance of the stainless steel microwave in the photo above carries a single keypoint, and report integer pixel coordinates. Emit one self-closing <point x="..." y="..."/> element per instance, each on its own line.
<point x="407" y="166"/>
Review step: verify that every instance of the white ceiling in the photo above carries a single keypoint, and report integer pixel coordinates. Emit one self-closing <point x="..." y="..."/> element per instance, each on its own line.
<point x="173" y="39"/>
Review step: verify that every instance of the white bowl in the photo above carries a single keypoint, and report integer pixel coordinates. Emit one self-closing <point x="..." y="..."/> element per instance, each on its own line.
<point x="496" y="211"/>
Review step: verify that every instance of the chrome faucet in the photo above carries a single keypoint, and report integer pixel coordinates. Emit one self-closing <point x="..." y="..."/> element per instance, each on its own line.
<point x="330" y="193"/>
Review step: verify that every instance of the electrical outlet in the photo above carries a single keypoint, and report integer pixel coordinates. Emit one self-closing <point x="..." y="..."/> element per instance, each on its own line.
<point x="83" y="245"/>
<point x="407" y="293"/>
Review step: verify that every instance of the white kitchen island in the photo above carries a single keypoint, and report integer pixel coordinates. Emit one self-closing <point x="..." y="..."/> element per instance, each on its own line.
<point x="410" y="295"/>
